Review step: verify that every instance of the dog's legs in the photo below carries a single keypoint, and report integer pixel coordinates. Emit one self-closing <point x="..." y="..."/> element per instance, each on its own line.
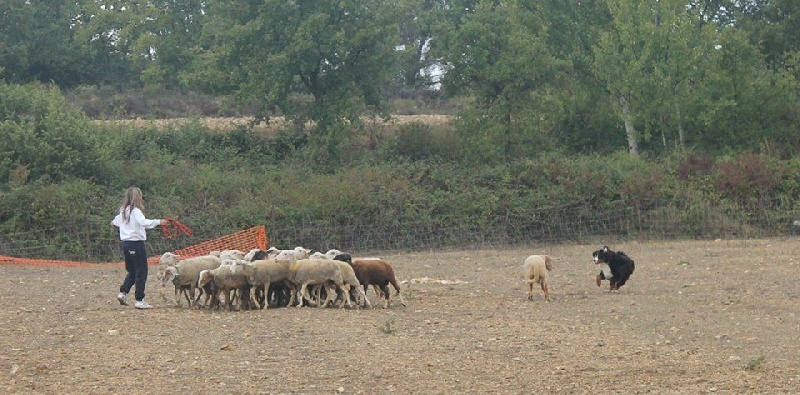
<point x="600" y="277"/>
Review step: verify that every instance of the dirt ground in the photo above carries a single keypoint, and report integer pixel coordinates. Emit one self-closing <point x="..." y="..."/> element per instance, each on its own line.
<point x="695" y="317"/>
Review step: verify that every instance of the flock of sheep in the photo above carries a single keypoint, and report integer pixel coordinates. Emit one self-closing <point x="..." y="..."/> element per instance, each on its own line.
<point x="273" y="277"/>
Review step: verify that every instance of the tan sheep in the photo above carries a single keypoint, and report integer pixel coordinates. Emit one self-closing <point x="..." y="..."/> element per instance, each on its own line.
<point x="536" y="268"/>
<point x="185" y="274"/>
<point x="306" y="272"/>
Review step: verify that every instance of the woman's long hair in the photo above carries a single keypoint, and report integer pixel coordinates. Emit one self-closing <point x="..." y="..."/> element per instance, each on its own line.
<point x="133" y="198"/>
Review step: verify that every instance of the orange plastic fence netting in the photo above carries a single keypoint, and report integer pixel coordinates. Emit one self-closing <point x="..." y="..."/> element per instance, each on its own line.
<point x="244" y="240"/>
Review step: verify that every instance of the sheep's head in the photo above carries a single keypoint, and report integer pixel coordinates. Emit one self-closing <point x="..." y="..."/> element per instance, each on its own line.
<point x="170" y="275"/>
<point x="344" y="258"/>
<point x="255" y="254"/>
<point x="272" y="252"/>
<point x="318" y="255"/>
<point x="231" y="254"/>
<point x="332" y="253"/>
<point x="205" y="277"/>
<point x="548" y="262"/>
<point x="168" y="259"/>
<point x="302" y="252"/>
<point x="286" y="256"/>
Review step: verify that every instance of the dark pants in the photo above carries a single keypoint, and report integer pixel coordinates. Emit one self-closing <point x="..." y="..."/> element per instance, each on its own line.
<point x="136" y="265"/>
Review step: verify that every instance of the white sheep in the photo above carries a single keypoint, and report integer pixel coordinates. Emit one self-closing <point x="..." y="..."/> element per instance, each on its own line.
<point x="330" y="254"/>
<point x="259" y="277"/>
<point x="536" y="268"/>
<point x="317" y="255"/>
<point x="296" y="253"/>
<point x="255" y="254"/>
<point x="351" y="281"/>
<point x="231" y="254"/>
<point x="279" y="273"/>
<point x="305" y="272"/>
<point x="227" y="279"/>
<point x="185" y="274"/>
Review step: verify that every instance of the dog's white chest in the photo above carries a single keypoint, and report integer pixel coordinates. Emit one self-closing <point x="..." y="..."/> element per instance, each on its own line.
<point x="606" y="270"/>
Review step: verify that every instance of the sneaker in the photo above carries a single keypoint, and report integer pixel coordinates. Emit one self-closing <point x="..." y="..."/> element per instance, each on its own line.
<point x="141" y="304"/>
<point x="123" y="298"/>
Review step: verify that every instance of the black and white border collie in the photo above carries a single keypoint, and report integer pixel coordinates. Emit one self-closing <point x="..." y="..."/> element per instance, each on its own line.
<point x="616" y="267"/>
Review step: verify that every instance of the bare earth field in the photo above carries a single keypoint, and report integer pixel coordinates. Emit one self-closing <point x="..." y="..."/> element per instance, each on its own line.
<point x="695" y="317"/>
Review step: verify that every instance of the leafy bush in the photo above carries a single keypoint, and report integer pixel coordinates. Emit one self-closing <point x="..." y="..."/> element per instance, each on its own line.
<point x="46" y="136"/>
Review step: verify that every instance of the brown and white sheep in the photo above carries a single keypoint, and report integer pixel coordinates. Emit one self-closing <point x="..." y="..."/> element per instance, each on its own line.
<point x="536" y="268"/>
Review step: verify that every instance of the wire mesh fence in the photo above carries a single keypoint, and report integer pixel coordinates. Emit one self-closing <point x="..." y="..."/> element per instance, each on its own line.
<point x="574" y="223"/>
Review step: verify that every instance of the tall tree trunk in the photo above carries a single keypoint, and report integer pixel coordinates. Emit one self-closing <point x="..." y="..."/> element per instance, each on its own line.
<point x="630" y="130"/>
<point x="681" y="134"/>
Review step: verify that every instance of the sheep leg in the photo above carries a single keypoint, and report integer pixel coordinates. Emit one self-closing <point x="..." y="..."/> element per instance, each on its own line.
<point x="530" y="289"/>
<point x="317" y="294"/>
<point x="228" y="301"/>
<point x="187" y="292"/>
<point x="196" y="299"/>
<point x="364" y="295"/>
<point x="331" y="295"/>
<point x="346" y="291"/>
<point x="266" y="295"/>
<point x="385" y="291"/>
<point x="178" y="295"/>
<point x="397" y="291"/>
<point x="292" y="291"/>
<point x="259" y="296"/>
<point x="293" y="296"/>
<point x="546" y="290"/>
<point x="302" y="295"/>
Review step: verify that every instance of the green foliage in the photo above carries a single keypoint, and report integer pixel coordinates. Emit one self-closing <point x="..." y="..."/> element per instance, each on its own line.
<point x="38" y="43"/>
<point x="55" y="217"/>
<point x="44" y="134"/>
<point x="389" y="326"/>
<point x="322" y="61"/>
<point x="755" y="363"/>
<point x="498" y="54"/>
<point x="418" y="141"/>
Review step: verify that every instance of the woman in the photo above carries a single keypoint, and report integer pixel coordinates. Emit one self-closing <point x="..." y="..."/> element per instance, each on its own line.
<point x="132" y="224"/>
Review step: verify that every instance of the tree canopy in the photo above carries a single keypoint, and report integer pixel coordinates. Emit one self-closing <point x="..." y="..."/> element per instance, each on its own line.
<point x="593" y="76"/>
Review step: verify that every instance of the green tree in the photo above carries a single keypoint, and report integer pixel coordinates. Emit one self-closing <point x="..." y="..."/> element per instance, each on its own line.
<point x="417" y="24"/>
<point x="586" y="121"/>
<point x="37" y="42"/>
<point x="44" y="137"/>
<point x="652" y="61"/>
<point x="498" y="54"/>
<point x="319" y="61"/>
<point x="105" y="32"/>
<point x="161" y="34"/>
<point x="753" y="104"/>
